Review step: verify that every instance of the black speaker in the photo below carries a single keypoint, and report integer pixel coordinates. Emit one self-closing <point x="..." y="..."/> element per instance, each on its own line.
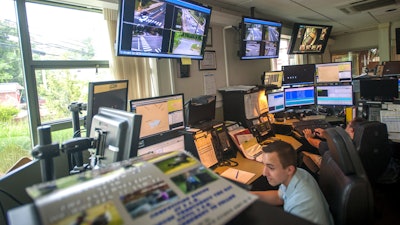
<point x="397" y="40"/>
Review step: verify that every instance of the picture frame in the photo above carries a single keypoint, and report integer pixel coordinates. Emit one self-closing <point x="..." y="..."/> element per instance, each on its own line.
<point x="209" y="37"/>
<point x="209" y="61"/>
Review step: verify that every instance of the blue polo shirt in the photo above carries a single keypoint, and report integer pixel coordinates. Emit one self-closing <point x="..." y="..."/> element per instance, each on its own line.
<point x="303" y="198"/>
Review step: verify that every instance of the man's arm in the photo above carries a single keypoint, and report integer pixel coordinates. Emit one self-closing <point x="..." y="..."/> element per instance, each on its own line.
<point x="309" y="136"/>
<point x="271" y="197"/>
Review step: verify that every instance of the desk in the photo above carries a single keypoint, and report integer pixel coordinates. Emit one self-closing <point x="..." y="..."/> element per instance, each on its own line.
<point x="254" y="166"/>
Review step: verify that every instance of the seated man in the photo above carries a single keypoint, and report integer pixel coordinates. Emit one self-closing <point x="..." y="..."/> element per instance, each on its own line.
<point x="317" y="139"/>
<point x="298" y="192"/>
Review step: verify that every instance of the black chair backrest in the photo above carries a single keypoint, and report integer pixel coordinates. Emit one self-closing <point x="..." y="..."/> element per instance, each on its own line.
<point x="343" y="181"/>
<point x="372" y="144"/>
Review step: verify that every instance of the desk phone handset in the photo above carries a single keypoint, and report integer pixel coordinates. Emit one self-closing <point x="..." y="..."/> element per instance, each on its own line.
<point x="222" y="143"/>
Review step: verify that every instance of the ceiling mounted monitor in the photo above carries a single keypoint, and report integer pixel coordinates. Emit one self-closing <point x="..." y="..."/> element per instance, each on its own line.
<point x="309" y="38"/>
<point x="260" y="39"/>
<point x="162" y="29"/>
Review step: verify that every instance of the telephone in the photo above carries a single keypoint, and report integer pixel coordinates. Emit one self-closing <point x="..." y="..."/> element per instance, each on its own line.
<point x="222" y="143"/>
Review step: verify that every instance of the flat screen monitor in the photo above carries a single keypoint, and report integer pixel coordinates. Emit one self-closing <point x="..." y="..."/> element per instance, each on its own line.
<point x="333" y="72"/>
<point x="309" y="38"/>
<point x="260" y="38"/>
<point x="200" y="109"/>
<point x="379" y="89"/>
<point x="299" y="96"/>
<point x="335" y="95"/>
<point x="298" y="74"/>
<point x="276" y="101"/>
<point x="112" y="94"/>
<point x="391" y="68"/>
<point x="272" y="78"/>
<point x="172" y="144"/>
<point x="159" y="114"/>
<point x="120" y="130"/>
<point x="162" y="29"/>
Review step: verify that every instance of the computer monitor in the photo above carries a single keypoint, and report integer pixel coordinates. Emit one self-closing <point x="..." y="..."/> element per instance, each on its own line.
<point x="276" y="102"/>
<point x="379" y="89"/>
<point x="200" y="109"/>
<point x="120" y="130"/>
<point x="335" y="95"/>
<point x="391" y="68"/>
<point x="160" y="114"/>
<point x="298" y="74"/>
<point x="171" y="144"/>
<point x="299" y="96"/>
<point x="270" y="78"/>
<point x="112" y="94"/>
<point x="162" y="29"/>
<point x="333" y="72"/>
<point x="309" y="38"/>
<point x="259" y="39"/>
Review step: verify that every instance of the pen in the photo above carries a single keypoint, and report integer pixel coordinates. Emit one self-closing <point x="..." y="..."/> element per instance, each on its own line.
<point x="237" y="174"/>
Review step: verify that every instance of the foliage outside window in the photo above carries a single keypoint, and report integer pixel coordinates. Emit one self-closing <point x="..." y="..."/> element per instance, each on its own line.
<point x="57" y="34"/>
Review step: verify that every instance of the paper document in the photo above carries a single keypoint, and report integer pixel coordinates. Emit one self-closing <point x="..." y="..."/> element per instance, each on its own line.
<point x="238" y="175"/>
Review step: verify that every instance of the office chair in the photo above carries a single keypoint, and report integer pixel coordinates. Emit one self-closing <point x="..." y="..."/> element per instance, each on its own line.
<point x="372" y="144"/>
<point x="343" y="181"/>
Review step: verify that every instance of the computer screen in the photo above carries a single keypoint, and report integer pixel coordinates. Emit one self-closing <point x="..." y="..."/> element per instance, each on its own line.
<point x="200" y="109"/>
<point x="309" y="38"/>
<point x="391" y="68"/>
<point x="162" y="29"/>
<point x="333" y="72"/>
<point x="120" y="130"/>
<point x="379" y="89"/>
<point x="272" y="78"/>
<point x="276" y="101"/>
<point x="299" y="96"/>
<point x="335" y="95"/>
<point x="260" y="38"/>
<point x="172" y="144"/>
<point x="298" y="74"/>
<point x="160" y="114"/>
<point x="112" y="94"/>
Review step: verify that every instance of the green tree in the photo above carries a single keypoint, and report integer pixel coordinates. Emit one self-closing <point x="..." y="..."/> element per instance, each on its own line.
<point x="10" y="58"/>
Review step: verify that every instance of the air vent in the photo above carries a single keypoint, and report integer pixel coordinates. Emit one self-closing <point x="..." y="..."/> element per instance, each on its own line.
<point x="361" y="6"/>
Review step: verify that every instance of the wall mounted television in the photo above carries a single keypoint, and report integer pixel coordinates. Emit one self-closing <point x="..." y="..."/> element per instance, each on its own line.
<point x="298" y="74"/>
<point x="162" y="29"/>
<point x="260" y="38"/>
<point x="333" y="72"/>
<point x="112" y="94"/>
<point x="309" y="38"/>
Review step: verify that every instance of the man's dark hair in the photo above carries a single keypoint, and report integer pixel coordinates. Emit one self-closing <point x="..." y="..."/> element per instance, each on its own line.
<point x="286" y="153"/>
<point x="356" y="122"/>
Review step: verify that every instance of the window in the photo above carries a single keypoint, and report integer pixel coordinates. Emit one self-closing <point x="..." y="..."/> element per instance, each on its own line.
<point x="69" y="47"/>
<point x="14" y="136"/>
<point x="284" y="59"/>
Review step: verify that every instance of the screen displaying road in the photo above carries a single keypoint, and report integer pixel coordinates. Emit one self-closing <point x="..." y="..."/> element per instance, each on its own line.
<point x="164" y="28"/>
<point x="260" y="39"/>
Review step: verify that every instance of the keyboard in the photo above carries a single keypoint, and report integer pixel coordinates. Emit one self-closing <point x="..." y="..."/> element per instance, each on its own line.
<point x="299" y="126"/>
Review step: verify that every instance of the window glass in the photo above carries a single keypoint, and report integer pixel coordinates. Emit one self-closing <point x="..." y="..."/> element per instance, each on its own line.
<point x="284" y="58"/>
<point x="53" y="103"/>
<point x="67" y="34"/>
<point x="15" y="140"/>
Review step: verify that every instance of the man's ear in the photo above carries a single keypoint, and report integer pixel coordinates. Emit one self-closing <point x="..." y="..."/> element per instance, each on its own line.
<point x="291" y="169"/>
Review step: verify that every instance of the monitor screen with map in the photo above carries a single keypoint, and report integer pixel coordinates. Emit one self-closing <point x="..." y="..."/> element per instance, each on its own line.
<point x="159" y="114"/>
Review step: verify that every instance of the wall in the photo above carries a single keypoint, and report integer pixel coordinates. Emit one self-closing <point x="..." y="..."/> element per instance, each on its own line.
<point x="355" y="41"/>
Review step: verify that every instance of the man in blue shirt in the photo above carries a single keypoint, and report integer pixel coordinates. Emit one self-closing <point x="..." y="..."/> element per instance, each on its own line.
<point x="298" y="192"/>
